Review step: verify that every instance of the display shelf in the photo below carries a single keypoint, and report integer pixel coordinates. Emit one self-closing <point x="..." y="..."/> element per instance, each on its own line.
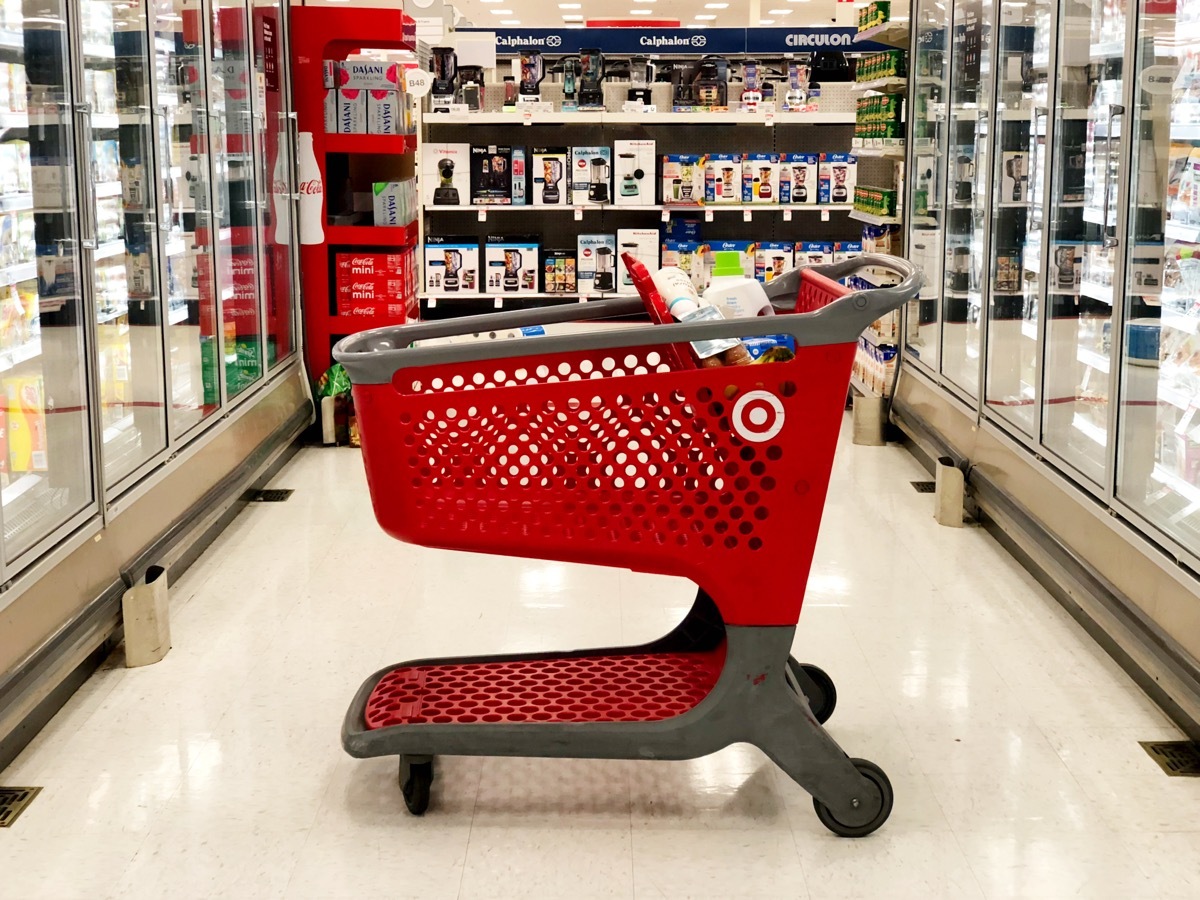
<point x="106" y="190"/>
<point x="1180" y="322"/>
<point x="627" y="118"/>
<point x="878" y="276"/>
<point x="15" y="202"/>
<point x="110" y="249"/>
<point x="873" y="219"/>
<point x="105" y="122"/>
<point x="392" y="144"/>
<point x="103" y="318"/>
<point x="891" y="85"/>
<point x="894" y="150"/>
<point x="1104" y="51"/>
<point x="877" y="340"/>
<point x="31" y="349"/>
<point x="650" y="207"/>
<point x="1185" y="131"/>
<point x="99" y="51"/>
<point x="372" y="235"/>
<point x="860" y="387"/>
<point x="436" y="297"/>
<point x="17" y="273"/>
<point x="894" y="34"/>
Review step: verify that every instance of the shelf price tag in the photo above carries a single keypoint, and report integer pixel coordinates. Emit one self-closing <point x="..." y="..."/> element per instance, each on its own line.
<point x="747" y="215"/>
<point x="825" y="215"/>
<point x="483" y="214"/>
<point x="499" y="302"/>
<point x="579" y="214"/>
<point x="432" y="303"/>
<point x="666" y="215"/>
<point x="527" y="116"/>
<point x="708" y="215"/>
<point x="787" y="214"/>
<point x="769" y="118"/>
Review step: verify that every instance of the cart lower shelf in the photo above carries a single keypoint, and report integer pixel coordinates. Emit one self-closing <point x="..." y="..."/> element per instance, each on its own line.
<point x="635" y="687"/>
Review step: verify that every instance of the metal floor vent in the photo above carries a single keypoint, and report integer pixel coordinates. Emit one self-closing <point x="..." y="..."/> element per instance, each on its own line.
<point x="13" y="801"/>
<point x="271" y="495"/>
<point x="923" y="487"/>
<point x="1175" y="757"/>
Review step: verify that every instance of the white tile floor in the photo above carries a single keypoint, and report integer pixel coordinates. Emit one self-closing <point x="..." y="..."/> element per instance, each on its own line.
<point x="1010" y="739"/>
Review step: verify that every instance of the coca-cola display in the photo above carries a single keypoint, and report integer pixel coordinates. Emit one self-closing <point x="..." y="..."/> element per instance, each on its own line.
<point x="312" y="193"/>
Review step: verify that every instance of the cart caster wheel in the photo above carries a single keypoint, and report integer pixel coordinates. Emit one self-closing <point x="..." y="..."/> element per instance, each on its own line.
<point x="876" y="776"/>
<point x="416" y="778"/>
<point x="818" y="688"/>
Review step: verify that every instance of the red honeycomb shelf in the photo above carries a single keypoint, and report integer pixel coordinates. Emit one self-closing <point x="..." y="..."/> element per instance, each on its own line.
<point x="630" y="688"/>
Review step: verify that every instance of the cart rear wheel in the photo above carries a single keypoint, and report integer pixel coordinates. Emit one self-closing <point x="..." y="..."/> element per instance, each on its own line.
<point x="816" y="686"/>
<point x="416" y="778"/>
<point x="883" y="797"/>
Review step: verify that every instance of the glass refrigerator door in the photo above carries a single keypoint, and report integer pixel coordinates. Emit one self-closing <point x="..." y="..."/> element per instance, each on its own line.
<point x="45" y="439"/>
<point x="966" y="262"/>
<point x="1018" y="216"/>
<point x="232" y="143"/>
<point x="124" y="288"/>
<point x="1086" y="197"/>
<point x="927" y="192"/>
<point x="1158" y="453"/>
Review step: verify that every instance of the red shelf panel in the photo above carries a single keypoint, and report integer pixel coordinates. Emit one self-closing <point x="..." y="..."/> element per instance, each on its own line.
<point x="371" y="235"/>
<point x="396" y="144"/>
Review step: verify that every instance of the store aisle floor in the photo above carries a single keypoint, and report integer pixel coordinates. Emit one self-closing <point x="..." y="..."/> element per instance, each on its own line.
<point x="1010" y="739"/>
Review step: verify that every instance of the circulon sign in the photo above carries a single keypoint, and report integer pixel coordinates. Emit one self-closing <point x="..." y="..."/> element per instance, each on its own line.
<point x="819" y="39"/>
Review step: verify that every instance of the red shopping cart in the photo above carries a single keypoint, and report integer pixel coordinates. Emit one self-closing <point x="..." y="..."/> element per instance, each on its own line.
<point x="595" y="447"/>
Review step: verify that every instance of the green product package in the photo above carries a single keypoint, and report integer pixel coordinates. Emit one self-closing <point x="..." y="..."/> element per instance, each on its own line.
<point x="335" y="381"/>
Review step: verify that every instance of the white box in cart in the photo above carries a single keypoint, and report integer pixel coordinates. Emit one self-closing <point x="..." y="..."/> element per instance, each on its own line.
<point x="591" y="176"/>
<point x="446" y="174"/>
<point x="551" y="176"/>
<point x="760" y="178"/>
<point x="642" y="243"/>
<point x="351" y="111"/>
<point x="368" y="75"/>
<point x="451" y="265"/>
<point x="511" y="265"/>
<point x="595" y="266"/>
<point x="633" y="176"/>
<point x="383" y="112"/>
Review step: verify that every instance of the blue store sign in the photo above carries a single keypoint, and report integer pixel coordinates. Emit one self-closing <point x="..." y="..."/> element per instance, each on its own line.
<point x="682" y="41"/>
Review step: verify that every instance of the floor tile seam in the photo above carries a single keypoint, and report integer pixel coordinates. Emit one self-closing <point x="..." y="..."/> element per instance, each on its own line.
<point x="462" y="875"/>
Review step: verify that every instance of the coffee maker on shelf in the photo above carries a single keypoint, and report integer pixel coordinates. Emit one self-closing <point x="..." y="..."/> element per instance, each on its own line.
<point x="533" y="70"/>
<point x="443" y="64"/>
<point x="470" y="90"/>
<point x="591" y="79"/>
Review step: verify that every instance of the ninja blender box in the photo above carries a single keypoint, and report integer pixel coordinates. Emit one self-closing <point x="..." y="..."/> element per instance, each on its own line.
<point x="723" y="178"/>
<point x="550" y="181"/>
<point x="837" y="178"/>
<point x="633" y="180"/>
<point x="772" y="259"/>
<point x="591" y="176"/>
<point x="760" y="178"/>
<point x="491" y="175"/>
<point x="682" y="180"/>
<point x="798" y="178"/>
<point x="511" y="265"/>
<point x="597" y="258"/>
<point x="446" y="174"/>
<point x="560" y="272"/>
<point x="451" y="265"/>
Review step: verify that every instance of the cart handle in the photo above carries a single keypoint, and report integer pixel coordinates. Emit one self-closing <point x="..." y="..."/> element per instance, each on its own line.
<point x="374" y="356"/>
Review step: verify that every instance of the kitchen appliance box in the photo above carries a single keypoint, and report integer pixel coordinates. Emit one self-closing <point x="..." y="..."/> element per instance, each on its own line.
<point x="837" y="176"/>
<point x="690" y="257"/>
<point x="772" y="259"/>
<point x="582" y="189"/>
<point x="546" y="163"/>
<point x="746" y="249"/>
<point x="491" y="174"/>
<point x="643" y="244"/>
<point x="511" y="264"/>
<point x="683" y="180"/>
<point x="433" y="157"/>
<point x="587" y="255"/>
<point x="723" y="178"/>
<point x="633" y="174"/>
<point x="760" y="178"/>
<point x="560" y="272"/>
<point x="800" y="187"/>
<point x="437" y="249"/>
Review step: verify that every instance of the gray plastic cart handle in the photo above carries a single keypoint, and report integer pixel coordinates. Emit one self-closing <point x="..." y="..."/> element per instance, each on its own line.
<point x="373" y="357"/>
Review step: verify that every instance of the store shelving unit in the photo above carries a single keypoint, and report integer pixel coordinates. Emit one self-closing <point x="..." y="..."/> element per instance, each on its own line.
<point x="319" y="34"/>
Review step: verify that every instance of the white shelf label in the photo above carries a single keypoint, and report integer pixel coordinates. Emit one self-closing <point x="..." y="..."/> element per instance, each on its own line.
<point x="483" y="215"/>
<point x="708" y="215"/>
<point x="433" y="302"/>
<point x="747" y="215"/>
<point x="579" y="214"/>
<point x="825" y="215"/>
<point x="666" y="215"/>
<point x="499" y="302"/>
<point x="787" y="214"/>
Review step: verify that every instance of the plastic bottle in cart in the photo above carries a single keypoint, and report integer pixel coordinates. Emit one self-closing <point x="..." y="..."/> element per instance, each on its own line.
<point x="685" y="305"/>
<point x="312" y="193"/>
<point x="735" y="295"/>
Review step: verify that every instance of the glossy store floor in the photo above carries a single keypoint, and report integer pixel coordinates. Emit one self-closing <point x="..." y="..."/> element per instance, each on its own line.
<point x="1010" y="739"/>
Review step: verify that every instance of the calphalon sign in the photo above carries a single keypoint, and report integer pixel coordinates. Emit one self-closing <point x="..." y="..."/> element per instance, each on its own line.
<point x="678" y="41"/>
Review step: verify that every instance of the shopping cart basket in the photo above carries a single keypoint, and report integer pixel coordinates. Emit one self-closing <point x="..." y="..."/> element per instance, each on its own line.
<point x="597" y="448"/>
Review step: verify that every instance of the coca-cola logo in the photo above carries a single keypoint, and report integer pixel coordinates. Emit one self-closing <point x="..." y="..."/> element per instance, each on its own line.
<point x="363" y="311"/>
<point x="234" y="312"/>
<point x="312" y="186"/>
<point x="279" y="186"/>
<point x="363" y="286"/>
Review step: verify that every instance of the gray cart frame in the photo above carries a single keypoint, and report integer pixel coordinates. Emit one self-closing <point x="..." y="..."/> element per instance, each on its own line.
<point x="762" y="696"/>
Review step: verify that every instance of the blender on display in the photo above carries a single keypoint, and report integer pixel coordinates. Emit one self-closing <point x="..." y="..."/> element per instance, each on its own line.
<point x="598" y="184"/>
<point x="552" y="173"/>
<point x="443" y="63"/>
<point x="453" y="261"/>
<point x="446" y="194"/>
<point x="604" y="274"/>
<point x="796" y="98"/>
<point x="533" y="70"/>
<point x="570" y="81"/>
<point x="591" y="79"/>
<point x="752" y="91"/>
<point x="632" y="175"/>
<point x="641" y="76"/>
<point x="470" y="91"/>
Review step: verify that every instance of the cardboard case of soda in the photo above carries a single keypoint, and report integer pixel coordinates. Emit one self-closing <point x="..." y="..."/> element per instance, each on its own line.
<point x="376" y="284"/>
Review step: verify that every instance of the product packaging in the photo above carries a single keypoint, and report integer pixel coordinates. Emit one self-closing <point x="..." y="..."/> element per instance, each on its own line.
<point x="737" y="296"/>
<point x="683" y="180"/>
<point x="560" y="272"/>
<point x="814" y="253"/>
<point x="351" y="111"/>
<point x="723" y="178"/>
<point x="451" y="265"/>
<point x="520" y="184"/>
<point x="1014" y="176"/>
<point x="760" y="178"/>
<point x="511" y="264"/>
<point x="491" y="175"/>
<point x="744" y="249"/>
<point x="368" y="75"/>
<point x="597" y="263"/>
<point x="640" y="243"/>
<point x="383" y="112"/>
<point x="677" y="293"/>
<point x="386" y="295"/>
<point x="1066" y="264"/>
<point x="633" y="176"/>
<point x="844" y="250"/>
<point x="394" y="202"/>
<point x="550" y="181"/>
<point x="687" y="256"/>
<point x="772" y="259"/>
<point x="837" y="177"/>
<point x="591" y="176"/>
<point x="446" y="174"/>
<point x="683" y="227"/>
<point x="798" y="178"/>
<point x="331" y="110"/>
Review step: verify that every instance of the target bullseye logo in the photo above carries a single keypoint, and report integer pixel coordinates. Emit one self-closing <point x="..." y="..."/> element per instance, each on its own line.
<point x="758" y="416"/>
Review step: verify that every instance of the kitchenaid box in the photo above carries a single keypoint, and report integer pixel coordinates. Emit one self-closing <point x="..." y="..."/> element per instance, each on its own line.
<point x="591" y="176"/>
<point x="446" y="174"/>
<point x="491" y="175"/>
<point x="597" y="263"/>
<point x="451" y="265"/>
<point x="550" y="184"/>
<point x="511" y="264"/>
<point x="634" y="176"/>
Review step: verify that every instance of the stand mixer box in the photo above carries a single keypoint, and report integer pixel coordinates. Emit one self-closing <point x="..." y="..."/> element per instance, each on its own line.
<point x="597" y="263"/>
<point x="446" y="174"/>
<point x="511" y="264"/>
<point x="551" y="177"/>
<point x="634" y="175"/>
<point x="591" y="176"/>
<point x="442" y="254"/>
<point x="642" y="243"/>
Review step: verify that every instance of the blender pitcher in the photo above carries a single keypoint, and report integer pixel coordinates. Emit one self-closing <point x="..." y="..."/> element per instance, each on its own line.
<point x="552" y="172"/>
<point x="512" y="270"/>
<point x="533" y="70"/>
<point x="598" y="187"/>
<point x="453" y="262"/>
<point x="632" y="175"/>
<point x="604" y="275"/>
